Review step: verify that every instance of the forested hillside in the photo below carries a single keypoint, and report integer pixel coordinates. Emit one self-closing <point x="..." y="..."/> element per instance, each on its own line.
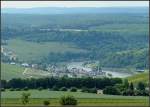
<point x="115" y="39"/>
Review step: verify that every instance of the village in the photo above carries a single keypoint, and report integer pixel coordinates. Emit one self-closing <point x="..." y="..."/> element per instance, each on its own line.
<point x="53" y="70"/>
<point x="75" y="72"/>
<point x="67" y="70"/>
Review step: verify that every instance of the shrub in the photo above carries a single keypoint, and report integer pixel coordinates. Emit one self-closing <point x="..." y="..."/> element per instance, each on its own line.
<point x="84" y="89"/>
<point x="25" y="89"/>
<point x="111" y="90"/>
<point x="12" y="89"/>
<point x="46" y="102"/>
<point x="17" y="89"/>
<point x="129" y="92"/>
<point x="142" y="93"/>
<point x="2" y="89"/>
<point x="141" y="86"/>
<point x="147" y="93"/>
<point x="92" y="90"/>
<point x="68" y="100"/>
<point x="137" y="93"/>
<point x="63" y="89"/>
<point x="73" y="89"/>
<point x="124" y="93"/>
<point x="55" y="88"/>
<point x="40" y="88"/>
<point x="25" y="98"/>
<point x="121" y="87"/>
<point x="49" y="89"/>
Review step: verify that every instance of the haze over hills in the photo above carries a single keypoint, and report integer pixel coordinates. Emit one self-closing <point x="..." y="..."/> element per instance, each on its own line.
<point x="75" y="10"/>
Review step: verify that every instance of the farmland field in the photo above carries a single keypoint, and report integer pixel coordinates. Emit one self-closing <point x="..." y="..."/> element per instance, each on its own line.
<point x="144" y="77"/>
<point x="37" y="98"/>
<point x="11" y="71"/>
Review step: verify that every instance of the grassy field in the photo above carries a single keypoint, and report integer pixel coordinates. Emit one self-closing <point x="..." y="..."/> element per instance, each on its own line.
<point x="57" y="94"/>
<point x="11" y="71"/>
<point x="144" y="77"/>
<point x="85" y="99"/>
<point x="29" y="51"/>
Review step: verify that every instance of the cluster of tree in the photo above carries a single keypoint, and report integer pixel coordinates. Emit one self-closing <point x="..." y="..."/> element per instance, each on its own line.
<point x="55" y="88"/>
<point x="74" y="89"/>
<point x="134" y="58"/>
<point x="68" y="100"/>
<point x="127" y="89"/>
<point x="99" y="83"/>
<point x="139" y="90"/>
<point x="67" y="56"/>
<point x="25" y="98"/>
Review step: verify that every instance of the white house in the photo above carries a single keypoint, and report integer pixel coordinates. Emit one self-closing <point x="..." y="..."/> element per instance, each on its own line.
<point x="25" y="64"/>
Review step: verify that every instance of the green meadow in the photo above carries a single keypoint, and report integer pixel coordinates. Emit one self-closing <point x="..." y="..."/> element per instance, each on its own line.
<point x="143" y="77"/>
<point x="85" y="99"/>
<point x="11" y="71"/>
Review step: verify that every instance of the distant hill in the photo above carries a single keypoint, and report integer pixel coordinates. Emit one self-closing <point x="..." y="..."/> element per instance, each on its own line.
<point x="83" y="10"/>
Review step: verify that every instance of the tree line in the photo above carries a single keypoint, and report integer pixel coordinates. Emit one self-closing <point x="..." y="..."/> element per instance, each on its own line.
<point x="127" y="89"/>
<point x="110" y="86"/>
<point x="88" y="82"/>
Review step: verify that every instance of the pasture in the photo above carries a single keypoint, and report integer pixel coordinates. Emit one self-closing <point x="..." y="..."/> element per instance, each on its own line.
<point x="11" y="71"/>
<point x="144" y="77"/>
<point x="84" y="99"/>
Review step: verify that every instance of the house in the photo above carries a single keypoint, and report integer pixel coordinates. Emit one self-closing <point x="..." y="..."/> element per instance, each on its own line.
<point x="70" y="75"/>
<point x="140" y="70"/>
<point x="25" y="64"/>
<point x="99" y="91"/>
<point x="34" y="66"/>
<point x="12" y="63"/>
<point x="147" y="88"/>
<point x="2" y="49"/>
<point x="13" y="57"/>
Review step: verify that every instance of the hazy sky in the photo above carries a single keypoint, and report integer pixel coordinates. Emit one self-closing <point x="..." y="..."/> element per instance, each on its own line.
<point x="31" y="4"/>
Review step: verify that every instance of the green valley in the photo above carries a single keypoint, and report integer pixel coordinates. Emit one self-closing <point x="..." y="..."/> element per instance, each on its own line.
<point x="82" y="56"/>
